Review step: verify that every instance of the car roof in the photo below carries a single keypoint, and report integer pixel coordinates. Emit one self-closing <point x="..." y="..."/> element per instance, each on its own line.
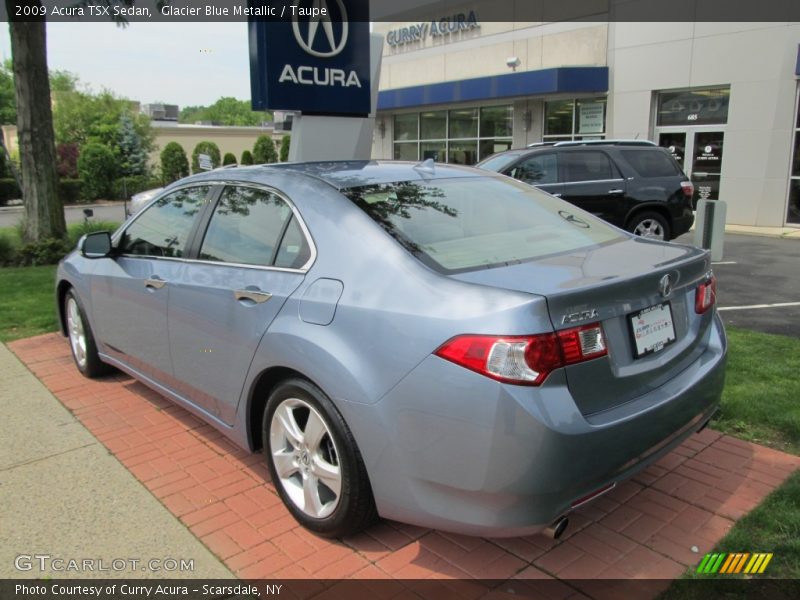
<point x="344" y="174"/>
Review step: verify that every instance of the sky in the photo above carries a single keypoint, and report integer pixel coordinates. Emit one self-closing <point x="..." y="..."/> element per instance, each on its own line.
<point x="187" y="64"/>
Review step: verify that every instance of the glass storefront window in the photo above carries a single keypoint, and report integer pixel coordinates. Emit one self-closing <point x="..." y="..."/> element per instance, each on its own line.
<point x="793" y="209"/>
<point x="567" y="120"/>
<point x="461" y="136"/>
<point x="558" y="117"/>
<point x="496" y="121"/>
<point x="693" y="107"/>
<point x="464" y="123"/>
<point x="405" y="127"/>
<point x="433" y="125"/>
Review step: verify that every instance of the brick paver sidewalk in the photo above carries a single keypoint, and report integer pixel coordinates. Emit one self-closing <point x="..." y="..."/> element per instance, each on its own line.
<point x="654" y="526"/>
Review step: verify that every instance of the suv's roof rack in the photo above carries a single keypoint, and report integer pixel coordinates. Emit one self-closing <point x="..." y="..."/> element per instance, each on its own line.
<point x="538" y="144"/>
<point x="607" y="143"/>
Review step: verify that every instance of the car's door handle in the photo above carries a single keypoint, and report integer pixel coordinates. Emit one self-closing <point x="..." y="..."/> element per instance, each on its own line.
<point x="616" y="191"/>
<point x="256" y="296"/>
<point x="155" y="283"/>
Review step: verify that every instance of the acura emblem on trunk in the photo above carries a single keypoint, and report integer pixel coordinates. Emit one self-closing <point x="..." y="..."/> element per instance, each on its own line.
<point x="665" y="286"/>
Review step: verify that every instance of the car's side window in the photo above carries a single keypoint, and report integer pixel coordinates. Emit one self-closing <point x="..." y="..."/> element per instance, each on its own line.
<point x="537" y="170"/>
<point x="246" y="227"/>
<point x="163" y="228"/>
<point x="294" y="251"/>
<point x="586" y="166"/>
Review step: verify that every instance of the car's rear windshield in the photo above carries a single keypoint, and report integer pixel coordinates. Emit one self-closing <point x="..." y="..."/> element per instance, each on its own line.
<point x="651" y="163"/>
<point x="466" y="223"/>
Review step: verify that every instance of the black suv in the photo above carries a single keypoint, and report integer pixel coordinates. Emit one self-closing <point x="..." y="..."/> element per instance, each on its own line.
<point x="632" y="184"/>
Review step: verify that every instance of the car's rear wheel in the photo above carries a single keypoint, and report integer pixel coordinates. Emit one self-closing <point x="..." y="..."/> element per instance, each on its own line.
<point x="81" y="339"/>
<point x="649" y="225"/>
<point x="314" y="461"/>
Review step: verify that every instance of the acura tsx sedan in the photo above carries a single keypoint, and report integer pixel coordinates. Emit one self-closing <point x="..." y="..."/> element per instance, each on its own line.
<point x="433" y="344"/>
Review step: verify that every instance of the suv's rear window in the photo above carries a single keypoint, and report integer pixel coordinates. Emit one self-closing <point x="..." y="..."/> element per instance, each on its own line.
<point x="462" y="224"/>
<point x="651" y="163"/>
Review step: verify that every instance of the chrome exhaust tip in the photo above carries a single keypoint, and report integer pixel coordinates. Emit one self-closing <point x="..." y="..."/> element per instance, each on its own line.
<point x="557" y="529"/>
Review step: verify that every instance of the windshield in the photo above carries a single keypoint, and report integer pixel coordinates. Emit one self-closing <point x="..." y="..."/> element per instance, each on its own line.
<point x="468" y="223"/>
<point x="499" y="161"/>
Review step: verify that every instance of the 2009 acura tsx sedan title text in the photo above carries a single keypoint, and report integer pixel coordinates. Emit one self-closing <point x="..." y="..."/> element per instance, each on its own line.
<point x="427" y="343"/>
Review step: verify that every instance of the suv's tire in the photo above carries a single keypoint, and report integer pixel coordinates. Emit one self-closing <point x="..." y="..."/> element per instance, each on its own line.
<point x="81" y="339"/>
<point x="322" y="478"/>
<point x="651" y="225"/>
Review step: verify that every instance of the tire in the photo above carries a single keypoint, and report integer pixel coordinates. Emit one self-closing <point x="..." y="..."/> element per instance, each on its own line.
<point x="322" y="478"/>
<point x="650" y="225"/>
<point x="81" y="339"/>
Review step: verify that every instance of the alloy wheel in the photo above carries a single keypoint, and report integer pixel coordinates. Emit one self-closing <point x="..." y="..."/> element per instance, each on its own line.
<point x="650" y="228"/>
<point x="77" y="335"/>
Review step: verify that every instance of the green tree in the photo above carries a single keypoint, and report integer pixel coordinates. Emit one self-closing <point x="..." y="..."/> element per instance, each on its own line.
<point x="8" y="106"/>
<point x="264" y="150"/>
<point x="225" y="111"/>
<point x="133" y="155"/>
<point x="174" y="163"/>
<point x="229" y="159"/>
<point x="284" y="152"/>
<point x="205" y="147"/>
<point x="97" y="167"/>
<point x="63" y="81"/>
<point x="247" y="158"/>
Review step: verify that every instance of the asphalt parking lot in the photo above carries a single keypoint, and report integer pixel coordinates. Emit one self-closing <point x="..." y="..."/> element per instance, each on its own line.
<point x="761" y="274"/>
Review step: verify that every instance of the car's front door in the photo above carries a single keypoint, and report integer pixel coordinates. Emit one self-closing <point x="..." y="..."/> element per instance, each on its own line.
<point x="540" y="170"/>
<point x="253" y="255"/>
<point x="592" y="183"/>
<point x="129" y="292"/>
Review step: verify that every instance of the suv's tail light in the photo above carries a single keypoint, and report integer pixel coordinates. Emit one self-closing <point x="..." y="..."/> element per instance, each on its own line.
<point x="524" y="360"/>
<point x="688" y="188"/>
<point x="705" y="295"/>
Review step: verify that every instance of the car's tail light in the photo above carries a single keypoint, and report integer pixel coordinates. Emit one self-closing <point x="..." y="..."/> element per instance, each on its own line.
<point x="705" y="295"/>
<point x="688" y="188"/>
<point x="524" y="360"/>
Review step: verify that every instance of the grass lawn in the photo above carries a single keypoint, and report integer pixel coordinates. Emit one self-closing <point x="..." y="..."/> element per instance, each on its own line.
<point x="27" y="302"/>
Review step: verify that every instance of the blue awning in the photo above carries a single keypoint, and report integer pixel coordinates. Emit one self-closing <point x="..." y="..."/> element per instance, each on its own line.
<point x="559" y="80"/>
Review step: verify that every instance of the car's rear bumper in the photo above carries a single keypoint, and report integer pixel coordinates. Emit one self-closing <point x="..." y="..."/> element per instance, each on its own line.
<point x="450" y="449"/>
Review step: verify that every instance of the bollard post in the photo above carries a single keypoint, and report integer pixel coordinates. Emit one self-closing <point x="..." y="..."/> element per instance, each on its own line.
<point x="709" y="230"/>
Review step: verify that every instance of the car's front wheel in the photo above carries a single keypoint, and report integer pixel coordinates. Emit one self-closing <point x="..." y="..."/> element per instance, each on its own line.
<point x="314" y="461"/>
<point x="650" y="225"/>
<point x="81" y="339"/>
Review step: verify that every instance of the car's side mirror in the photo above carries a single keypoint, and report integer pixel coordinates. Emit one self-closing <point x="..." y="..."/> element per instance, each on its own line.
<point x="95" y="245"/>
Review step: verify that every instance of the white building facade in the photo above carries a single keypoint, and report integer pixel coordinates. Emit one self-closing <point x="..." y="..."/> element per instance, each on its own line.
<point x="722" y="96"/>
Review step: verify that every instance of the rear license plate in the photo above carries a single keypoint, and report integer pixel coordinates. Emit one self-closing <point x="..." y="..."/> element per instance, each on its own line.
<point x="652" y="329"/>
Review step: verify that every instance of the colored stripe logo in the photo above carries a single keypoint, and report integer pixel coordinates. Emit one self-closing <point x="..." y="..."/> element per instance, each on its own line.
<point x="724" y="563"/>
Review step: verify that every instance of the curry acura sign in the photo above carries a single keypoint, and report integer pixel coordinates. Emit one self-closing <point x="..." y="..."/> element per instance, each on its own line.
<point x="315" y="61"/>
<point x="445" y="26"/>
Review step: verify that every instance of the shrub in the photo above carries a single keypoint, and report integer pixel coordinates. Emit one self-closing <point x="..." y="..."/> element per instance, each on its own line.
<point x="9" y="190"/>
<point x="45" y="252"/>
<point x="284" y="153"/>
<point x="209" y="148"/>
<point x="174" y="163"/>
<point x="76" y="230"/>
<point x="125" y="187"/>
<point x="97" y="168"/>
<point x="229" y="159"/>
<point x="69" y="190"/>
<point x="8" y="252"/>
<point x="247" y="158"/>
<point x="67" y="161"/>
<point x="264" y="150"/>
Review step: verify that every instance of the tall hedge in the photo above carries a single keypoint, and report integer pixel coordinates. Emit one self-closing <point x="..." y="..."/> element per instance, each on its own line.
<point x="206" y="147"/>
<point x="285" y="141"/>
<point x="264" y="150"/>
<point x="97" y="168"/>
<point x="247" y="158"/>
<point x="174" y="163"/>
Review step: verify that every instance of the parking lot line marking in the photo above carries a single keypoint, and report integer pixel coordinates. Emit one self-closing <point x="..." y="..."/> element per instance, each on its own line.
<point x="776" y="305"/>
<point x="725" y="262"/>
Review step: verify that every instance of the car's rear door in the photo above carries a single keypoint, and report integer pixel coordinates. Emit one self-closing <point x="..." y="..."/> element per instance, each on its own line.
<point x="592" y="182"/>
<point x="541" y="170"/>
<point x="253" y="254"/>
<point x="129" y="292"/>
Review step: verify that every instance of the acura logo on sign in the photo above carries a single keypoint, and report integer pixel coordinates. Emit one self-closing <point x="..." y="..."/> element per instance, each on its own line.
<point x="317" y="45"/>
<point x="665" y="286"/>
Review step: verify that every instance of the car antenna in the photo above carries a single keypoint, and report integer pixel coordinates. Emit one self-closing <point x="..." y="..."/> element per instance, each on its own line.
<point x="426" y="165"/>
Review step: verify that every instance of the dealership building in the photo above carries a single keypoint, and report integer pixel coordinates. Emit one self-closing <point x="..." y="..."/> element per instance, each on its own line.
<point x="723" y="97"/>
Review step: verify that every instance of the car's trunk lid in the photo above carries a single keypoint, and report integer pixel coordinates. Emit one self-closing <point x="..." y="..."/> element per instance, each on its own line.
<point x="611" y="284"/>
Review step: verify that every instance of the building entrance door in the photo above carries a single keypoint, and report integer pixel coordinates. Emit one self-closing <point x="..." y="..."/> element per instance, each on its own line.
<point x="699" y="153"/>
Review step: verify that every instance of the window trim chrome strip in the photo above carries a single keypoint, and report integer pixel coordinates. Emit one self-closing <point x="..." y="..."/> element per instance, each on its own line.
<point x="211" y="183"/>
